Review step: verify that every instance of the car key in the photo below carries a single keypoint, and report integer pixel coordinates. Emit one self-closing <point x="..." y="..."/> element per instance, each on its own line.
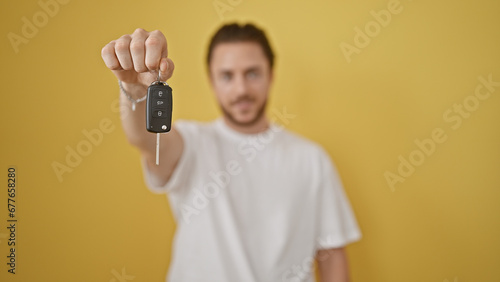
<point x="159" y="110"/>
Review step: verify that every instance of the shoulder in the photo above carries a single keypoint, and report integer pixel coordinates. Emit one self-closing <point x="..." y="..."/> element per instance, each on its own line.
<point x="296" y="141"/>
<point x="312" y="159"/>
<point x="310" y="153"/>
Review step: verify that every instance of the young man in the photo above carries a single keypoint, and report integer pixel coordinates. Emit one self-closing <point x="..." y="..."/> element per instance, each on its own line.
<point x="252" y="201"/>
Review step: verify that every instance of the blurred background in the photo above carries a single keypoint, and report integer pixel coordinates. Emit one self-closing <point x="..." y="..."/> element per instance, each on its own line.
<point x="404" y="95"/>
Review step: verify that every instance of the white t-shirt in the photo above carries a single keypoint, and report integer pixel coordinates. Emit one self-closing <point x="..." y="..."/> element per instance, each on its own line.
<point x="252" y="207"/>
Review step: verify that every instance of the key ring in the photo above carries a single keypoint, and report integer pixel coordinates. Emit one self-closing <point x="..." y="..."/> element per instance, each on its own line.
<point x="158" y="78"/>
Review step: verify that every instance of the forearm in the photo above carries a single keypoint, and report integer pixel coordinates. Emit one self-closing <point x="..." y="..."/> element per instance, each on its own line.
<point x="333" y="265"/>
<point x="134" y="122"/>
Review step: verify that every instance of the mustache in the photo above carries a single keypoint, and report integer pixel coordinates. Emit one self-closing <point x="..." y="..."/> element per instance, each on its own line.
<point x="244" y="98"/>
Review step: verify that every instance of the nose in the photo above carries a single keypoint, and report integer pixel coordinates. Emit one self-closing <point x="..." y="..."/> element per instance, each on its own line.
<point x="240" y="85"/>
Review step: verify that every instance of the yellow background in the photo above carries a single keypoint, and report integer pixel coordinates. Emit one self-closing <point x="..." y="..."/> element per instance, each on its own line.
<point x="441" y="223"/>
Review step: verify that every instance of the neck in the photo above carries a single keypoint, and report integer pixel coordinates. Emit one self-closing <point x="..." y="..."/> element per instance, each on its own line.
<point x="261" y="125"/>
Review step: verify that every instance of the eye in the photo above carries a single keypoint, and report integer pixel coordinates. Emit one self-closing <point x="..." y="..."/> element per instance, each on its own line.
<point x="252" y="74"/>
<point x="226" y="76"/>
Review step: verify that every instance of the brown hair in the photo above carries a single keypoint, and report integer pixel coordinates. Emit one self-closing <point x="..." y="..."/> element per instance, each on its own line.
<point x="241" y="33"/>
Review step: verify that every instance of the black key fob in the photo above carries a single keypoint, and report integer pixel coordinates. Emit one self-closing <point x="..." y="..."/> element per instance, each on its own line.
<point x="159" y="107"/>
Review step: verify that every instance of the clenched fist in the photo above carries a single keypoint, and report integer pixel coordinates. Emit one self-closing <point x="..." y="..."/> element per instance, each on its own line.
<point x="135" y="58"/>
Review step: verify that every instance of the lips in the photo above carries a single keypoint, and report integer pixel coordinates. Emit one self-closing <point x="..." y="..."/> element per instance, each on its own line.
<point x="243" y="104"/>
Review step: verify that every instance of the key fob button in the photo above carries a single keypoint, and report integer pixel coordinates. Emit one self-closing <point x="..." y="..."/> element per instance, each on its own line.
<point x="158" y="114"/>
<point x="159" y="93"/>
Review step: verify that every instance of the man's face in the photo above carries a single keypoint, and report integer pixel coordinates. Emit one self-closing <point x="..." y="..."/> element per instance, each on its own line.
<point x="241" y="77"/>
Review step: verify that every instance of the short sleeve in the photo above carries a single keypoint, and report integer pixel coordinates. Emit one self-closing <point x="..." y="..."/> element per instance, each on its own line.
<point x="189" y="132"/>
<point x="337" y="225"/>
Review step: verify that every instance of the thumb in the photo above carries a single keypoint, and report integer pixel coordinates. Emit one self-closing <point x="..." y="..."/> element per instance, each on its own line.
<point x="166" y="68"/>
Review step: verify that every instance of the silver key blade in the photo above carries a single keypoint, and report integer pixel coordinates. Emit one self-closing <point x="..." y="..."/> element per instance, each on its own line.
<point x="157" y="148"/>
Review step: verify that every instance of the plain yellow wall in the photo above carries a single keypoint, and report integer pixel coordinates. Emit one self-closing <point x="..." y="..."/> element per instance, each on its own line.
<point x="368" y="99"/>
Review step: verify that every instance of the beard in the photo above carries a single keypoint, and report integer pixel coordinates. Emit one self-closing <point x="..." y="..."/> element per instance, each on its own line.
<point x="258" y="114"/>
